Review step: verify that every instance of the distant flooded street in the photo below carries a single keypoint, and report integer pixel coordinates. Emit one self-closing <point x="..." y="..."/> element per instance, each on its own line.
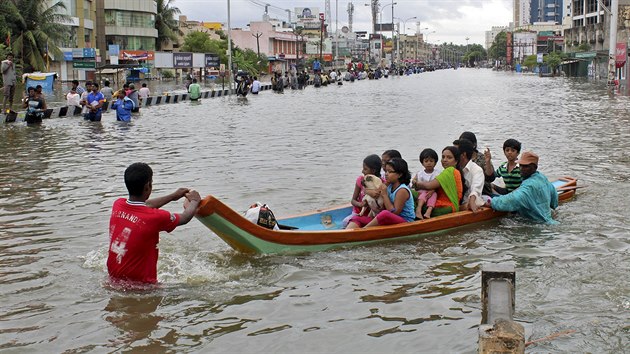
<point x="300" y="151"/>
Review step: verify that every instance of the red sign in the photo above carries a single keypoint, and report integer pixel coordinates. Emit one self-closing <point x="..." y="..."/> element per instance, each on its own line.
<point x="621" y="55"/>
<point x="321" y="16"/>
<point x="135" y="55"/>
<point x="328" y="57"/>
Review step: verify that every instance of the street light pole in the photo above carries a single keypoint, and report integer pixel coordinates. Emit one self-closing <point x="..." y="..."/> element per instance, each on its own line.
<point x="257" y="35"/>
<point x="229" y="49"/>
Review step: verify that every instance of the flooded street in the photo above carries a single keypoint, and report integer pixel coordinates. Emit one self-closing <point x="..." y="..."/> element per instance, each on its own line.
<point x="299" y="151"/>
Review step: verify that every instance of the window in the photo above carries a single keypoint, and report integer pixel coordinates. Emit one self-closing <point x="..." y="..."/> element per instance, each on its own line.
<point x="132" y="42"/>
<point x="129" y="19"/>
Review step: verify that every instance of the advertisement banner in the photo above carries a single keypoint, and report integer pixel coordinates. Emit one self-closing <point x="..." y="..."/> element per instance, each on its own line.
<point x="212" y="61"/>
<point x="306" y="13"/>
<point x="135" y="55"/>
<point x="182" y="60"/>
<point x="621" y="55"/>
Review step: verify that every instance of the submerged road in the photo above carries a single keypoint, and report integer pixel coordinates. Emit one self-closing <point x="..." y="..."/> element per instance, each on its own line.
<point x="299" y="151"/>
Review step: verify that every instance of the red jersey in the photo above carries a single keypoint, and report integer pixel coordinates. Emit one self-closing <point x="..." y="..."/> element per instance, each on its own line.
<point x="134" y="234"/>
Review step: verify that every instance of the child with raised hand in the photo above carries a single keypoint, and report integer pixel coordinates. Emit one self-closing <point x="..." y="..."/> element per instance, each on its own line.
<point x="509" y="170"/>
<point x="371" y="166"/>
<point x="397" y="198"/>
<point x="428" y="159"/>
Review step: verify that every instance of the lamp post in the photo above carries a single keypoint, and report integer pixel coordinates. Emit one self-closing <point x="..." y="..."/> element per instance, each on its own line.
<point x="229" y="49"/>
<point x="419" y="31"/>
<point x="404" y="31"/>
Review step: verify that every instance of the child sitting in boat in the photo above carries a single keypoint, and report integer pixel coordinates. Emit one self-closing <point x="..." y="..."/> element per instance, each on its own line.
<point x="428" y="159"/>
<point x="509" y="170"/>
<point x="371" y="166"/>
<point x="386" y="156"/>
<point x="397" y="198"/>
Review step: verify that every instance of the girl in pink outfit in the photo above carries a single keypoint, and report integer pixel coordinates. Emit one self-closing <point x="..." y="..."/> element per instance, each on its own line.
<point x="371" y="166"/>
<point x="428" y="159"/>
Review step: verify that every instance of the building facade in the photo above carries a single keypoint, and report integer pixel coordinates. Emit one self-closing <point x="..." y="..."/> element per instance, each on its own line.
<point x="546" y="11"/>
<point x="130" y="24"/>
<point x="81" y="34"/>
<point x="492" y="34"/>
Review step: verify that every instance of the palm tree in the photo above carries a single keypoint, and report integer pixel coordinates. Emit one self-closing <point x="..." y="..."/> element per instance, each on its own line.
<point x="35" y="25"/>
<point x="165" y="22"/>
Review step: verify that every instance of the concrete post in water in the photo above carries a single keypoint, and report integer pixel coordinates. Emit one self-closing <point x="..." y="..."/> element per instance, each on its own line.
<point x="498" y="332"/>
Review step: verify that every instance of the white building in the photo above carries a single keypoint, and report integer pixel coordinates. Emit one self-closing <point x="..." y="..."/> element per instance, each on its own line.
<point x="490" y="35"/>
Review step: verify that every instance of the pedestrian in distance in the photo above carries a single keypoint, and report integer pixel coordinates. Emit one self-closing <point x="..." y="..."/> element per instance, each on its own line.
<point x="194" y="90"/>
<point x="136" y="223"/>
<point x="123" y="106"/>
<point x="8" y="79"/>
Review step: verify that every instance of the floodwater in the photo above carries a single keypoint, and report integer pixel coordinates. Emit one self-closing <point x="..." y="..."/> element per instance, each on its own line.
<point x="299" y="151"/>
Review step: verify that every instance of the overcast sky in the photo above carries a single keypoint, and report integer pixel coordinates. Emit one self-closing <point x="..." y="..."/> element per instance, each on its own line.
<point x="452" y="20"/>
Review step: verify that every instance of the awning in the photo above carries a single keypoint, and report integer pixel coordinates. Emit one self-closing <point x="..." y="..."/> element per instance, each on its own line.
<point x="569" y="62"/>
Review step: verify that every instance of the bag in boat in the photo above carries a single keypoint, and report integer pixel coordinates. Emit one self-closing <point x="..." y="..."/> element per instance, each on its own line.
<point x="261" y="215"/>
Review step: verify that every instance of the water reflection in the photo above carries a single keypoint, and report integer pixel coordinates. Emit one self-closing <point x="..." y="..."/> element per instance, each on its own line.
<point x="136" y="319"/>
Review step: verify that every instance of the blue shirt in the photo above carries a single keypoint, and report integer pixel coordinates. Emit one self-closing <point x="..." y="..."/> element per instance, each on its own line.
<point x="534" y="199"/>
<point x="408" y="213"/>
<point x="95" y="97"/>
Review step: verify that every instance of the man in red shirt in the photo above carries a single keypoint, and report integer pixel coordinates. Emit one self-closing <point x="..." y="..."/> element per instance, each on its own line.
<point x="135" y="225"/>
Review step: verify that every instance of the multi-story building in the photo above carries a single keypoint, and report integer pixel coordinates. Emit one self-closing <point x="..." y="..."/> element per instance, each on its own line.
<point x="130" y="24"/>
<point x="81" y="34"/>
<point x="492" y="34"/>
<point x="521" y="15"/>
<point x="413" y="48"/>
<point x="187" y="26"/>
<point x="546" y="11"/>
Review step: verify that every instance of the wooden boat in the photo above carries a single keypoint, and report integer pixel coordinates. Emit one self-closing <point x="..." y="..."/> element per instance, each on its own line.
<point x="322" y="230"/>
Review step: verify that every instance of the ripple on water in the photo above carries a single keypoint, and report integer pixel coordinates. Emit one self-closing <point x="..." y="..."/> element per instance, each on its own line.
<point x="297" y="152"/>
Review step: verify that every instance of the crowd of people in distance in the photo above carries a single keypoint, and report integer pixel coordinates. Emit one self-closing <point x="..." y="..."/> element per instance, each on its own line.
<point x="465" y="183"/>
<point x="90" y="100"/>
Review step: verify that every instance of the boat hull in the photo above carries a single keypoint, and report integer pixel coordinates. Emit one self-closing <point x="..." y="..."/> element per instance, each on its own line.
<point x="321" y="230"/>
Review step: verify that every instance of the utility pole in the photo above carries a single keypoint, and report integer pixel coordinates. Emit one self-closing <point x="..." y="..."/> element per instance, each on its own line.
<point x="393" y="32"/>
<point x="257" y="35"/>
<point x="229" y="50"/>
<point x="612" y="43"/>
<point x="321" y="38"/>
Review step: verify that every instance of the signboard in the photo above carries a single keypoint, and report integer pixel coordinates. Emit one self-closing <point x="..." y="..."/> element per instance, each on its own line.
<point x="306" y="13"/>
<point x="89" y="53"/>
<point x="135" y="55"/>
<point x="67" y="56"/>
<point x="539" y="58"/>
<point x="212" y="61"/>
<point x="77" y="52"/>
<point x="79" y="64"/>
<point x="182" y="60"/>
<point x="384" y="27"/>
<point x="114" y="49"/>
<point x="328" y="57"/>
<point x="321" y="16"/>
<point x="620" y="55"/>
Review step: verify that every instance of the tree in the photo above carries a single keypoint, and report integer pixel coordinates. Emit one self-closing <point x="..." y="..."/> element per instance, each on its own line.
<point x="248" y="60"/>
<point x="531" y="61"/>
<point x="553" y="60"/>
<point x="35" y="27"/>
<point x="165" y="22"/>
<point x="200" y="42"/>
<point x="498" y="49"/>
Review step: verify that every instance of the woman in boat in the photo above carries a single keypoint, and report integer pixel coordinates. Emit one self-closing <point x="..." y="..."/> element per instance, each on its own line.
<point x="448" y="184"/>
<point x="397" y="197"/>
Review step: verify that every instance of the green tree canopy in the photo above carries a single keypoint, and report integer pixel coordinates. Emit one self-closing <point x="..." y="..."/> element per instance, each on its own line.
<point x="498" y="49"/>
<point x="35" y="27"/>
<point x="165" y="22"/>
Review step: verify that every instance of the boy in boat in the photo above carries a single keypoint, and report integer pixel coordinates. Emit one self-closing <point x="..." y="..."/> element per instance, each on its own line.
<point x="136" y="222"/>
<point x="509" y="171"/>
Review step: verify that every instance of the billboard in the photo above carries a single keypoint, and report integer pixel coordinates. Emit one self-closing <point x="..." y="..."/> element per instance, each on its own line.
<point x="307" y="13"/>
<point x="212" y="60"/>
<point x="135" y="55"/>
<point x="182" y="60"/>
